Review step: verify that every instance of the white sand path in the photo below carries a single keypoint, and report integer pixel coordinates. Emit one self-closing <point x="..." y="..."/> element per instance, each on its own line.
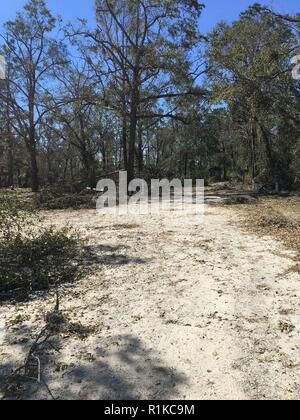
<point x="180" y="309"/>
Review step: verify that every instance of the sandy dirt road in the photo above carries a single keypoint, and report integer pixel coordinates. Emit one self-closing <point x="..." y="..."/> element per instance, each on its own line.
<point x="177" y="309"/>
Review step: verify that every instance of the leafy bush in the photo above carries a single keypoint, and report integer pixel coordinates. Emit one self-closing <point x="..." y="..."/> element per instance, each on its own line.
<point x="39" y="261"/>
<point x="14" y="215"/>
<point x="33" y="258"/>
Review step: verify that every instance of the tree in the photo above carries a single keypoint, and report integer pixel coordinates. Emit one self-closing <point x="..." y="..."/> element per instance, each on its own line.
<point x="5" y="121"/>
<point x="78" y="120"/>
<point x="251" y="72"/>
<point x="287" y="17"/>
<point x="31" y="57"/>
<point x="145" y="46"/>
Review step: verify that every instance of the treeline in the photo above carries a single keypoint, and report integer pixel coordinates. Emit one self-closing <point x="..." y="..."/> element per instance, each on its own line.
<point x="145" y="91"/>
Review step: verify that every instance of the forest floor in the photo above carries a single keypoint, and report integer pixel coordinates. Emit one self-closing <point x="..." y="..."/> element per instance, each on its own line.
<point x="174" y="307"/>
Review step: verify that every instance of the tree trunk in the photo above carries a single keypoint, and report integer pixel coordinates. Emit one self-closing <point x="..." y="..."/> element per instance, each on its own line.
<point x="132" y="141"/>
<point x="10" y="142"/>
<point x="140" y="151"/>
<point x="253" y="150"/>
<point x="133" y="128"/>
<point x="224" y="160"/>
<point x="186" y="160"/>
<point x="92" y="175"/>
<point x="35" y="185"/>
<point x="269" y="153"/>
<point x="89" y="164"/>
<point x="124" y="141"/>
<point x="10" y="162"/>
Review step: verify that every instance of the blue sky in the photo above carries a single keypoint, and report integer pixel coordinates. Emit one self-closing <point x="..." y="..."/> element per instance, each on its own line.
<point x="216" y="10"/>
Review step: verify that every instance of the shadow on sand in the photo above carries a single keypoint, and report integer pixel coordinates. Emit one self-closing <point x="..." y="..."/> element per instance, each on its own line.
<point x="110" y="255"/>
<point x="121" y="368"/>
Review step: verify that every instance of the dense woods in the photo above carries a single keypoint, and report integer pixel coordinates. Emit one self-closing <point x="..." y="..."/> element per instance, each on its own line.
<point x="144" y="90"/>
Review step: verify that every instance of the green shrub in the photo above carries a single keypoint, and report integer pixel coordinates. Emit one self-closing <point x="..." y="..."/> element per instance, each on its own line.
<point x="39" y="261"/>
<point x="14" y="215"/>
<point x="33" y="258"/>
